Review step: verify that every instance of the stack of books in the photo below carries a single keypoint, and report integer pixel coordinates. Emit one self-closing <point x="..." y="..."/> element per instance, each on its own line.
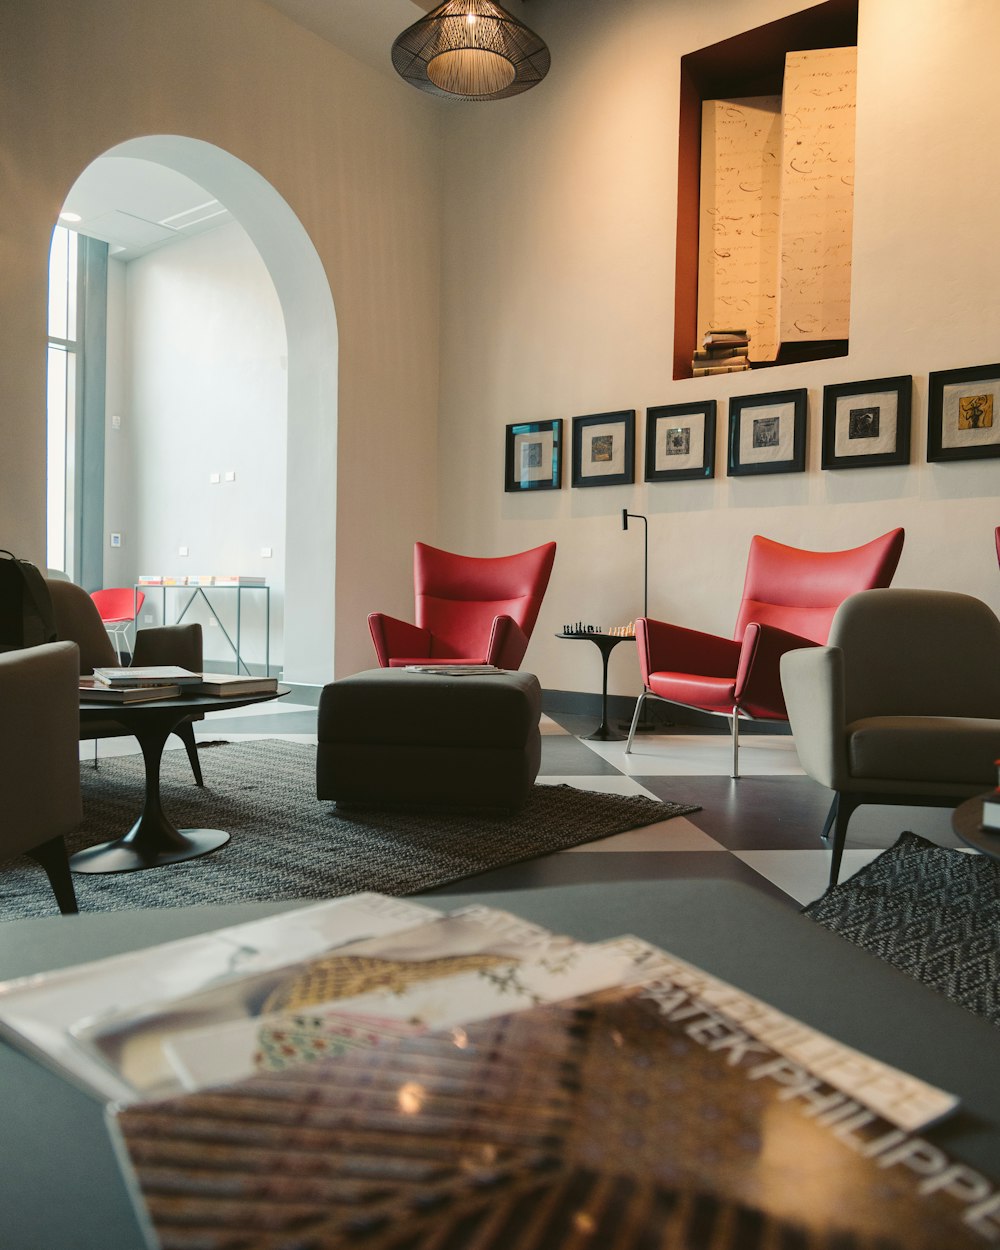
<point x="137" y="685"/>
<point x="725" y="351"/>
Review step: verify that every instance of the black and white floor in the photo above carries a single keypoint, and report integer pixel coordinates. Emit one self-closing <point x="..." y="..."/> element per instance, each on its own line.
<point x="762" y="829"/>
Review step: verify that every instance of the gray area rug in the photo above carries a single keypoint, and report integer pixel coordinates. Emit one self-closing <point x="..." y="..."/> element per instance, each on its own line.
<point x="932" y="912"/>
<point x="287" y="844"/>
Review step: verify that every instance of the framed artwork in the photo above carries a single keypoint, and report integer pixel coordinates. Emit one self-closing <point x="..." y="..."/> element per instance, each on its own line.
<point x="866" y="424"/>
<point x="604" y="449"/>
<point x="680" y="441"/>
<point x="767" y="433"/>
<point x="963" y="413"/>
<point x="534" y="456"/>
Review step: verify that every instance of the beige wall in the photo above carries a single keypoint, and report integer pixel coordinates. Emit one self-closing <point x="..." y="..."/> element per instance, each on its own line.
<point x="352" y="152"/>
<point x="554" y="270"/>
<point x="558" y="289"/>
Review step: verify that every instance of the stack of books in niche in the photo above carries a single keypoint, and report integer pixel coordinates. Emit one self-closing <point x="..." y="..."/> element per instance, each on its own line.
<point x="371" y="1073"/>
<point x="724" y="351"/>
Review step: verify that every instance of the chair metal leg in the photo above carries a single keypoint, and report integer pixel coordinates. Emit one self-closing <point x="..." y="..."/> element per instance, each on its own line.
<point x="736" y="746"/>
<point x="846" y="805"/>
<point x="635" y="721"/>
<point x="53" y="858"/>
<point x="185" y="732"/>
<point x="831" y="816"/>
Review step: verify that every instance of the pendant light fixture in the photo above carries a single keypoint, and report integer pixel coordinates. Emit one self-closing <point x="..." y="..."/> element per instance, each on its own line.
<point x="470" y="50"/>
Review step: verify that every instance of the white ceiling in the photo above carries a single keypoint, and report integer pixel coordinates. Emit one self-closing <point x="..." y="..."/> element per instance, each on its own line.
<point x="364" y="28"/>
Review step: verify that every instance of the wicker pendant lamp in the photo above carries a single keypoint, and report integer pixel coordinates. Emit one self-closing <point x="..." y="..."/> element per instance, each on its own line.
<point x="470" y="50"/>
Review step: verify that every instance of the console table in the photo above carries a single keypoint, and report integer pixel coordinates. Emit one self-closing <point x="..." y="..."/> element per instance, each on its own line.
<point x="205" y="592"/>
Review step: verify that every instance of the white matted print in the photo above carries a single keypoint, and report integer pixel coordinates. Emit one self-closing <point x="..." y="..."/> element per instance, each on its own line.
<point x="533" y="456"/>
<point x="604" y="449"/>
<point x="680" y="441"/>
<point x="767" y="432"/>
<point x="867" y="423"/>
<point x="963" y="413"/>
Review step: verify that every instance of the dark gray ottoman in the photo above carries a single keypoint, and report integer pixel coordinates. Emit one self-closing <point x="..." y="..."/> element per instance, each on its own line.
<point x="389" y="737"/>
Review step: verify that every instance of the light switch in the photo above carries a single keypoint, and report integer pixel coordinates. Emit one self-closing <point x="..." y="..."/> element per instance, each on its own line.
<point x="230" y="475"/>
<point x="266" y="552"/>
<point x="182" y="551"/>
<point x="214" y="478"/>
<point x="116" y="540"/>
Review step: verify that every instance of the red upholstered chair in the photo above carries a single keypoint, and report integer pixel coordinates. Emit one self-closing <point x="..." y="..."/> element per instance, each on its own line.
<point x="469" y="609"/>
<point x="789" y="599"/>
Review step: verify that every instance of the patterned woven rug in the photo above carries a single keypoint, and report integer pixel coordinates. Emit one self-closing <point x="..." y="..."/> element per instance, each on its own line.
<point x="287" y="844"/>
<point x="932" y="912"/>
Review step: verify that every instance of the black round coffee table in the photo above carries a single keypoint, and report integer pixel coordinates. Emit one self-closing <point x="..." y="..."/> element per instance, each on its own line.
<point x="967" y="823"/>
<point x="153" y="839"/>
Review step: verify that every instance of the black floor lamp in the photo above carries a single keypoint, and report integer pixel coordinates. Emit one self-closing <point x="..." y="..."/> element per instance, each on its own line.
<point x="637" y="516"/>
<point x="645" y="724"/>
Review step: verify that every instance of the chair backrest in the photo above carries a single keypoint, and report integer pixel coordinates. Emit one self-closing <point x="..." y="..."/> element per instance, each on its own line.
<point x="799" y="591"/>
<point x="78" y="620"/>
<point x="117" y="603"/>
<point x="457" y="597"/>
<point x="918" y="653"/>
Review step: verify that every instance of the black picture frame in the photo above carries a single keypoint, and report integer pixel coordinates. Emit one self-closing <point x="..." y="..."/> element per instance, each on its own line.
<point x="604" y="449"/>
<point x="533" y="456"/>
<point x="963" y="413"/>
<point x="684" y="433"/>
<point x="867" y="424"/>
<point x="767" y="433"/>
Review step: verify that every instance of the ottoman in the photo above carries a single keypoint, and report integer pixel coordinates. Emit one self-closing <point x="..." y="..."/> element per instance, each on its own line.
<point x="390" y="737"/>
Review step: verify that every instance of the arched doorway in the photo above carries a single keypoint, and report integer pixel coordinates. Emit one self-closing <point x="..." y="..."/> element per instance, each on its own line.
<point x="310" y="324"/>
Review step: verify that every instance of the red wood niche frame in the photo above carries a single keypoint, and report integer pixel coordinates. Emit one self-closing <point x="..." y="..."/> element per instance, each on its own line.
<point x="752" y="63"/>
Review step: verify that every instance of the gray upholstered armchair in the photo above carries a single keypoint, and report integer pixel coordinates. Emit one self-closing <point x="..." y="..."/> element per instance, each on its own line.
<point x="902" y="706"/>
<point x="78" y="620"/>
<point x="40" y="759"/>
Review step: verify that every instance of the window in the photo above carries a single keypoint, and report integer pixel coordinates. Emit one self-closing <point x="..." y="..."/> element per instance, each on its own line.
<point x="61" y="397"/>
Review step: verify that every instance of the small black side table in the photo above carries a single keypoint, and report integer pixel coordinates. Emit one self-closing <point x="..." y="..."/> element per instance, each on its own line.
<point x="605" y="643"/>
<point x="967" y="822"/>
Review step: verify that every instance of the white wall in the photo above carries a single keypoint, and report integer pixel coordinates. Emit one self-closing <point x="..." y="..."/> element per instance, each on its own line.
<point x="205" y="393"/>
<point x="558" y="301"/>
<point x="542" y="229"/>
<point x="353" y="154"/>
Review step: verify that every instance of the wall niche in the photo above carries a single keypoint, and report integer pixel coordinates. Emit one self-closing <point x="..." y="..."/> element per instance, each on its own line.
<point x="765" y="189"/>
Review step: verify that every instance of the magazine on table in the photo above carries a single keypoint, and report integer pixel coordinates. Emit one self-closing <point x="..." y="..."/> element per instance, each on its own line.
<point x="444" y="971"/>
<point x="39" y="1013"/>
<point x="595" y="1121"/>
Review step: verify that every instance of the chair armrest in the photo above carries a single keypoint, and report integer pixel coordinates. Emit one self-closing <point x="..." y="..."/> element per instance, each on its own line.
<point x="674" y="649"/>
<point x="169" y="644"/>
<point x="758" y="680"/>
<point x="508" y="643"/>
<point x="813" y="683"/>
<point x="394" y="637"/>
<point x="39" y="745"/>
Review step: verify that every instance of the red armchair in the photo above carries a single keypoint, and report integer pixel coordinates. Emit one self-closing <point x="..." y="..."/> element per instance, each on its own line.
<point x="789" y="598"/>
<point x="469" y="609"/>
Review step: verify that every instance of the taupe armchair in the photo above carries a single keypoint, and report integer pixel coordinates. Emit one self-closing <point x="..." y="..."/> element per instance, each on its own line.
<point x="78" y="620"/>
<point x="40" y="759"/>
<point x="902" y="706"/>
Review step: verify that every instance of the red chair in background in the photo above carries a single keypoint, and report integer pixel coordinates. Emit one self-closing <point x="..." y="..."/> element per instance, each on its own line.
<point x="469" y="609"/>
<point x="119" y="607"/>
<point x="789" y="598"/>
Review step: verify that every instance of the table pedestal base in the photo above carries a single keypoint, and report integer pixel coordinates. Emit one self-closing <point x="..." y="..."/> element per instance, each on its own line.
<point x="127" y="854"/>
